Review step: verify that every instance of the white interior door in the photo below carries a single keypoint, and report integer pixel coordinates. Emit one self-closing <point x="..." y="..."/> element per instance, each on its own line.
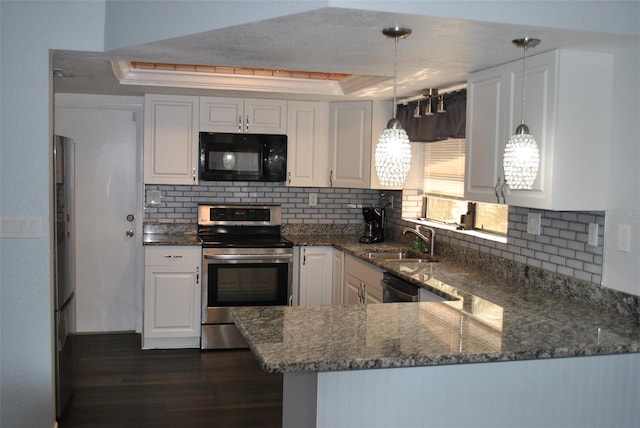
<point x="108" y="261"/>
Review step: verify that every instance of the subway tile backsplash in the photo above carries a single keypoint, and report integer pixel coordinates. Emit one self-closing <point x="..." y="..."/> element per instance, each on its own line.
<point x="335" y="206"/>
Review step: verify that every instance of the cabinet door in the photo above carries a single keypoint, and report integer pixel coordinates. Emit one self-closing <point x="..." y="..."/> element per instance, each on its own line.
<point x="169" y="296"/>
<point x="316" y="275"/>
<point x="338" y="277"/>
<point x="171" y="139"/>
<point x="350" y="144"/>
<point x="373" y="293"/>
<point x="221" y="114"/>
<point x="484" y="135"/>
<point x="352" y="290"/>
<point x="263" y="116"/>
<point x="172" y="296"/>
<point x="308" y="144"/>
<point x="539" y="116"/>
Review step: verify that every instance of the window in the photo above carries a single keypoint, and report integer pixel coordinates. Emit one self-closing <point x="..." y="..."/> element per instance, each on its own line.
<point x="443" y="172"/>
<point x="443" y="186"/>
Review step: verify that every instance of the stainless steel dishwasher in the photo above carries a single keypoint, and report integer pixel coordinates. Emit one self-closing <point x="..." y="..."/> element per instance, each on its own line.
<point x="395" y="289"/>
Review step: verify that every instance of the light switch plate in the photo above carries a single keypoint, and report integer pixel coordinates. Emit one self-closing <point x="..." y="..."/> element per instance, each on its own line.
<point x="624" y="238"/>
<point x="313" y="199"/>
<point x="533" y="223"/>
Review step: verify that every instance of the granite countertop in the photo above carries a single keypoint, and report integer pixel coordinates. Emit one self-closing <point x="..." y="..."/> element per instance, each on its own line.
<point x="486" y="319"/>
<point x="170" y="239"/>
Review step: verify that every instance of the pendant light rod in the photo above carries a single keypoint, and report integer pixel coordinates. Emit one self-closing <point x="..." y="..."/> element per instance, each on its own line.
<point x="396" y="33"/>
<point x="524" y="43"/>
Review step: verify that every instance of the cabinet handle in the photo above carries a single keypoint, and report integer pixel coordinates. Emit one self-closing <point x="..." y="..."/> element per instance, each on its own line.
<point x="193" y="172"/>
<point x="197" y="275"/>
<point x="247" y="127"/>
<point x="331" y="178"/>
<point x="171" y="256"/>
<point x="239" y="123"/>
<point x="304" y="257"/>
<point x="289" y="177"/>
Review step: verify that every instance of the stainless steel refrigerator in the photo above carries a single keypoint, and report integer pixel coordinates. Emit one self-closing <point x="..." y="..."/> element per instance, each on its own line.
<point x="63" y="252"/>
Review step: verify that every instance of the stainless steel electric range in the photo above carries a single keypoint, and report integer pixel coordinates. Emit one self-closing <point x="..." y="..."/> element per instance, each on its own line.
<point x="245" y="262"/>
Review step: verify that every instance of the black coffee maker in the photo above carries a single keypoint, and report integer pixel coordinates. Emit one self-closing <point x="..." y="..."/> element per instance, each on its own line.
<point x="373" y="225"/>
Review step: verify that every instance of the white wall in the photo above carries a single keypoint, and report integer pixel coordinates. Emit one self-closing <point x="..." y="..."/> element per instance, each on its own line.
<point x="28" y="30"/>
<point x="622" y="269"/>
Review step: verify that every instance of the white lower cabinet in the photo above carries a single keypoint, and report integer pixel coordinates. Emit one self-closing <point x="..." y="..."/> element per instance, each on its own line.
<point x="362" y="281"/>
<point x="315" y="275"/>
<point x="172" y="296"/>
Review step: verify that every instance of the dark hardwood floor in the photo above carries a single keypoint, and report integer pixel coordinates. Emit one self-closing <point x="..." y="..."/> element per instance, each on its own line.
<point x="116" y="384"/>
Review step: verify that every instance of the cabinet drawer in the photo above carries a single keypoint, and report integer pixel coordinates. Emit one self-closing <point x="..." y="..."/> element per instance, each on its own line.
<point x="172" y="255"/>
<point x="364" y="271"/>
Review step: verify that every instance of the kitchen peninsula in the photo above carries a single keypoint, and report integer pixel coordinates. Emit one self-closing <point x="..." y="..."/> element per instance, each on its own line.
<point x="498" y="353"/>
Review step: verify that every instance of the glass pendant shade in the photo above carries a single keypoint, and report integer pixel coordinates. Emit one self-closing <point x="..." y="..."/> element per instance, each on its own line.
<point x="521" y="159"/>
<point x="393" y="155"/>
<point x="393" y="151"/>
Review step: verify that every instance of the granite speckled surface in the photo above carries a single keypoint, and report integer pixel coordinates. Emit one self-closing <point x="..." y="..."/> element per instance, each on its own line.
<point x="170" y="234"/>
<point x="486" y="319"/>
<point x="349" y="337"/>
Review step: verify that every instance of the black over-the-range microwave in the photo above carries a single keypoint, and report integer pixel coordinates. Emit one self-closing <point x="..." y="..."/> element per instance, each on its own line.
<point x="242" y="157"/>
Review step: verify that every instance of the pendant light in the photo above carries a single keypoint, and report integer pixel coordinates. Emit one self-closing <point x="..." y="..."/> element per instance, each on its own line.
<point x="521" y="155"/>
<point x="393" y="152"/>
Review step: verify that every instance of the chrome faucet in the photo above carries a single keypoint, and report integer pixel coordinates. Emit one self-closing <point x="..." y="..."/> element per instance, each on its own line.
<point x="431" y="240"/>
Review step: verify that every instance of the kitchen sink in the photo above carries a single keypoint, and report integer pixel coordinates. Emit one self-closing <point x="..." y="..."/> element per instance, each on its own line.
<point x="402" y="255"/>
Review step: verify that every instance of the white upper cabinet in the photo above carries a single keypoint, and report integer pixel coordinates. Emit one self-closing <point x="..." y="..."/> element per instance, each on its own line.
<point x="350" y="144"/>
<point x="243" y="115"/>
<point x="308" y="144"/>
<point x="568" y="111"/>
<point x="354" y="130"/>
<point x="171" y="139"/>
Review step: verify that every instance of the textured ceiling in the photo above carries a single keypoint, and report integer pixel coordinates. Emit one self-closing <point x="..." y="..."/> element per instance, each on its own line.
<point x="440" y="52"/>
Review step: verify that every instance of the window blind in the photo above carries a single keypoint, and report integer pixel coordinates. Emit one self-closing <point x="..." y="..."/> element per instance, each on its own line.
<point x="443" y="168"/>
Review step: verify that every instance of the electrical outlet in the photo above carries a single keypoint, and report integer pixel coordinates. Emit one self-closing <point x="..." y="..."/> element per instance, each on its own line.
<point x="533" y="223"/>
<point x="592" y="237"/>
<point x="313" y="199"/>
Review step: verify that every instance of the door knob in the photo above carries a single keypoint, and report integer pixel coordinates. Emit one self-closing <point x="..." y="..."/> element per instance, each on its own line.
<point x="129" y="233"/>
<point x="130" y="218"/>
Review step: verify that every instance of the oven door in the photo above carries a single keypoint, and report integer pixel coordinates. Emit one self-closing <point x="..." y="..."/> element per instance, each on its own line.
<point x="244" y="277"/>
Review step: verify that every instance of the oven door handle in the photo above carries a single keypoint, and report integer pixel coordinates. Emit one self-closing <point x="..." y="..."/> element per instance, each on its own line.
<point x="229" y="257"/>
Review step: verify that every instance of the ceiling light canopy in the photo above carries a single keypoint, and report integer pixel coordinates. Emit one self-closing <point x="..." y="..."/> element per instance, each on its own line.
<point x="393" y="151"/>
<point x="521" y="159"/>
